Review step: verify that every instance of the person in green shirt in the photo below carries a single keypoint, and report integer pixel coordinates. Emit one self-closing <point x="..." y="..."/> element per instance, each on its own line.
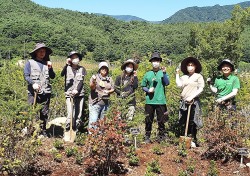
<point x="153" y="84"/>
<point x="225" y="86"/>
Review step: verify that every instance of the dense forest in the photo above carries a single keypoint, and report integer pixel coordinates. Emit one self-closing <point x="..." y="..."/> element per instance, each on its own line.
<point x="23" y="23"/>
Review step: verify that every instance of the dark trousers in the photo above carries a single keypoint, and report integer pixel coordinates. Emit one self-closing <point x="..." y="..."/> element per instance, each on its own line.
<point x="192" y="129"/>
<point x="161" y="112"/>
<point x="43" y="99"/>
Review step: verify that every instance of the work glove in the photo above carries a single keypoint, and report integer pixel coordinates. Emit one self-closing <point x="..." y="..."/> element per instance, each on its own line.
<point x="36" y="87"/>
<point x="49" y="64"/>
<point x="105" y="92"/>
<point x="68" y="61"/>
<point x="209" y="80"/>
<point x="151" y="90"/>
<point x="123" y="94"/>
<point x="219" y="100"/>
<point x="74" y="92"/>
<point x="189" y="99"/>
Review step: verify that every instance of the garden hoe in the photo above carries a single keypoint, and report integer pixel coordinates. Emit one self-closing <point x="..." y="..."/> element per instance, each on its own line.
<point x="185" y="139"/>
<point x="69" y="136"/>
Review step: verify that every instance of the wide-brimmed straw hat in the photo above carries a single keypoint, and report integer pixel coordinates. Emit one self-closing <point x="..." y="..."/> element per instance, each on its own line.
<point x="155" y="55"/>
<point x="75" y="52"/>
<point x="187" y="60"/>
<point x="225" y="61"/>
<point x="128" y="62"/>
<point x="39" y="46"/>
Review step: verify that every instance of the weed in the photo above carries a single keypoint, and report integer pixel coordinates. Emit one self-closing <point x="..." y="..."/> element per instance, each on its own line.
<point x="134" y="160"/>
<point x="157" y="150"/>
<point x="71" y="151"/>
<point x="58" y="144"/>
<point x="212" y="169"/>
<point x="153" y="167"/>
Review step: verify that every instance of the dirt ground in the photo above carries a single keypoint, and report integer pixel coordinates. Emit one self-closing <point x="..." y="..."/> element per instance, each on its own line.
<point x="171" y="164"/>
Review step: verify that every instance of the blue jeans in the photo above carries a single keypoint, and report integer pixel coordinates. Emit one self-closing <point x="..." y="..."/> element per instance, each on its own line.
<point x="96" y="112"/>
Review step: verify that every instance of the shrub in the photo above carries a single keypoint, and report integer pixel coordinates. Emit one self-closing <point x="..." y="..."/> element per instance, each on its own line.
<point x="104" y="145"/>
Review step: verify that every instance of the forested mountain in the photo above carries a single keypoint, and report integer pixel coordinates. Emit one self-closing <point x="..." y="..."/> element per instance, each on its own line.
<point x="204" y="14"/>
<point x="23" y="23"/>
<point x="126" y="18"/>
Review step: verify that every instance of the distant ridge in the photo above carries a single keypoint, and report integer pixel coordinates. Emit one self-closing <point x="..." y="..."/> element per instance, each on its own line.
<point x="204" y="14"/>
<point x="125" y="18"/>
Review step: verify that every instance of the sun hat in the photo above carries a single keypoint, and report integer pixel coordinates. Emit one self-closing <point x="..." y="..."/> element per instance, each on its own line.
<point x="226" y="61"/>
<point x="103" y="64"/>
<point x="39" y="46"/>
<point x="127" y="62"/>
<point x="75" y="52"/>
<point x="187" y="60"/>
<point x="155" y="55"/>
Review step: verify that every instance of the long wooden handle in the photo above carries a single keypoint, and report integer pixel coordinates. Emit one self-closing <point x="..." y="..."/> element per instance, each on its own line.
<point x="34" y="101"/>
<point x="187" y="122"/>
<point x="71" y="118"/>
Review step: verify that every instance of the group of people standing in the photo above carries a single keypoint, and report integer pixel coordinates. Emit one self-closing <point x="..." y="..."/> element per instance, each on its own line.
<point x="38" y="71"/>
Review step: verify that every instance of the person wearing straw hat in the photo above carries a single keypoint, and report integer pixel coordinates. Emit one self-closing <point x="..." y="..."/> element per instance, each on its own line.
<point x="225" y="86"/>
<point x="74" y="88"/>
<point x="153" y="84"/>
<point x="37" y="72"/>
<point x="192" y="85"/>
<point x="126" y="83"/>
<point x="101" y="86"/>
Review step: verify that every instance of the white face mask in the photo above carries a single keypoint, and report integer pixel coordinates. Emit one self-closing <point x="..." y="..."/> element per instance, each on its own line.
<point x="190" y="68"/>
<point x="156" y="64"/>
<point x="129" y="69"/>
<point x="75" y="61"/>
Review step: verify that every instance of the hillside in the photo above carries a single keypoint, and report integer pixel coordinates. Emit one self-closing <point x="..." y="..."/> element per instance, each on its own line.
<point x="23" y="23"/>
<point x="204" y="14"/>
<point x="126" y="18"/>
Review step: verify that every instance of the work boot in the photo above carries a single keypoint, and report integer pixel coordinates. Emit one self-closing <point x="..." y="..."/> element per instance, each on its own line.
<point x="147" y="140"/>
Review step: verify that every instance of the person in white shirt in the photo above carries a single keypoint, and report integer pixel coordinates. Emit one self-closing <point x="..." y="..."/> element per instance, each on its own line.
<point x="192" y="84"/>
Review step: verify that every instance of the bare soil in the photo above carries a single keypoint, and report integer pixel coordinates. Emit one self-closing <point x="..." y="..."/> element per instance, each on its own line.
<point x="171" y="164"/>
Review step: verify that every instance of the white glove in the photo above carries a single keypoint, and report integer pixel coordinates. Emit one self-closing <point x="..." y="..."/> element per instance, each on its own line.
<point x="74" y="92"/>
<point x="49" y="64"/>
<point x="219" y="100"/>
<point x="36" y="86"/>
<point x="106" y="92"/>
<point x="151" y="90"/>
<point x="68" y="61"/>
<point x="189" y="99"/>
<point x="209" y="80"/>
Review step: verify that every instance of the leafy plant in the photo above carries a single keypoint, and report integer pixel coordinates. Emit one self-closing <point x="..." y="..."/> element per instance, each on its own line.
<point x="71" y="151"/>
<point x="212" y="169"/>
<point x="58" y="144"/>
<point x="153" y="167"/>
<point x="157" y="150"/>
<point x="79" y="158"/>
<point x="133" y="160"/>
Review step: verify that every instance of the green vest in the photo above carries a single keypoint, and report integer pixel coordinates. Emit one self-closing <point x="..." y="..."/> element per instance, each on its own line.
<point x="154" y="79"/>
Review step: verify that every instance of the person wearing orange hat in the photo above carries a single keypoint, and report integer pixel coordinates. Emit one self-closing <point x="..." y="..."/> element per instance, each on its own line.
<point x="126" y="83"/>
<point x="37" y="72"/>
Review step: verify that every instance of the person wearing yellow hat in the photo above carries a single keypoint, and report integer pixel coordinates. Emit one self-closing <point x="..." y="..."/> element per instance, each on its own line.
<point x="101" y="86"/>
<point x="37" y="72"/>
<point x="126" y="83"/>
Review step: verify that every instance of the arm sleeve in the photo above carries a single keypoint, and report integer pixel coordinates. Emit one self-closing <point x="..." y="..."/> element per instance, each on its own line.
<point x="80" y="86"/>
<point x="145" y="89"/>
<point x="64" y="70"/>
<point x="165" y="79"/>
<point x="27" y="73"/>
<point x="117" y="85"/>
<point x="52" y="74"/>
<point x="213" y="89"/>
<point x="135" y="85"/>
<point x="178" y="81"/>
<point x="231" y="95"/>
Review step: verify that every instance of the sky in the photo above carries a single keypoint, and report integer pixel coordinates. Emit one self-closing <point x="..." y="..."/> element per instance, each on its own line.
<point x="150" y="10"/>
